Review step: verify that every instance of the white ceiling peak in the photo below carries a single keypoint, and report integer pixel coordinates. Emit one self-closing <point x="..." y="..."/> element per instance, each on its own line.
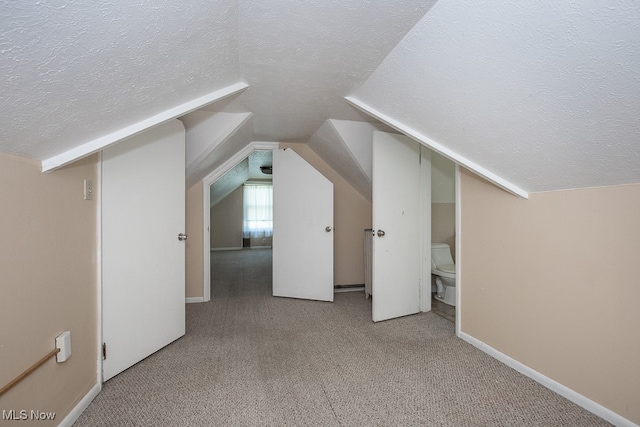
<point x="544" y="95"/>
<point x="302" y="57"/>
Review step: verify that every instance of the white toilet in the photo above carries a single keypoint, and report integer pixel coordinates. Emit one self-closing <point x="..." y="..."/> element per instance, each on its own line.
<point x="444" y="271"/>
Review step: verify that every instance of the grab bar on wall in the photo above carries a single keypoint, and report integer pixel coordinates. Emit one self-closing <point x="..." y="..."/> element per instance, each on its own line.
<point x="28" y="371"/>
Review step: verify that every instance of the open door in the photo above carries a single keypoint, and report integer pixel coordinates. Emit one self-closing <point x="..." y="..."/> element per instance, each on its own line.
<point x="143" y="202"/>
<point x="396" y="273"/>
<point x="302" y="229"/>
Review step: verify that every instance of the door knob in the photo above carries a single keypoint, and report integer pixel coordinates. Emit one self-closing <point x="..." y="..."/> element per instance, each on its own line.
<point x="182" y="237"/>
<point x="380" y="233"/>
<point x="328" y="229"/>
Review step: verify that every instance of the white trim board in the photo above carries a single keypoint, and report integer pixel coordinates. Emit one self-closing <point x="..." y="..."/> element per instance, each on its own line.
<point x="458" y="254"/>
<point x="437" y="147"/>
<point x="206" y="202"/>
<point x="564" y="391"/>
<point x="77" y="410"/>
<point x="191" y="300"/>
<point x="105" y="141"/>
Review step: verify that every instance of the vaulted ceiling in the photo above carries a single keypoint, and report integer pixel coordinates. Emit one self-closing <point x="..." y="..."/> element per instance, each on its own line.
<point x="536" y="95"/>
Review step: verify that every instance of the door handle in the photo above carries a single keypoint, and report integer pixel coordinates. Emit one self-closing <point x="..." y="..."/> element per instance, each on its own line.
<point x="328" y="229"/>
<point x="182" y="237"/>
<point x="380" y="233"/>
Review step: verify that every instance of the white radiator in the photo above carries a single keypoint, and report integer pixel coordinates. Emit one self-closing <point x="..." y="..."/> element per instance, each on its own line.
<point x="368" y="260"/>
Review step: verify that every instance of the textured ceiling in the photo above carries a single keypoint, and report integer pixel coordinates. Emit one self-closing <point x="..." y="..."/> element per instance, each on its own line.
<point x="543" y="94"/>
<point x="208" y="138"/>
<point x="348" y="147"/>
<point x="301" y="58"/>
<point x="247" y="169"/>
<point x="76" y="70"/>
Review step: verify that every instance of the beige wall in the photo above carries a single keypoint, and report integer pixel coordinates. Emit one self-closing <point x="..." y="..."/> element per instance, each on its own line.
<point x="226" y="221"/>
<point x="443" y="225"/>
<point x="443" y="179"/>
<point x="194" y="261"/>
<point x="443" y="197"/>
<point x="352" y="216"/>
<point x="553" y="282"/>
<point x="48" y="282"/>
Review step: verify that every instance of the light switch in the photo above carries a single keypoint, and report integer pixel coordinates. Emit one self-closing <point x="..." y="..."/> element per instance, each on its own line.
<point x="88" y="189"/>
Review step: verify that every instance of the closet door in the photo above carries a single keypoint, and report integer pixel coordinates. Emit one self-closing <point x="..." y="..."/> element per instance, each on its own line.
<point x="143" y="212"/>
<point x="302" y="229"/>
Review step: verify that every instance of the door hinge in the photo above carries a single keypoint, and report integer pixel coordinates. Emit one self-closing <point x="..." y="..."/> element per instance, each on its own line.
<point x="104" y="351"/>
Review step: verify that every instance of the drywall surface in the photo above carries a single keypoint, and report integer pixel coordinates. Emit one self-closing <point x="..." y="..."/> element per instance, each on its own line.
<point x="301" y="58"/>
<point x="48" y="260"/>
<point x="194" y="250"/>
<point x="227" y="220"/>
<point x="552" y="282"/>
<point x="443" y="179"/>
<point x="352" y="214"/>
<point x="544" y="94"/>
<point x="212" y="138"/>
<point x="80" y="70"/>
<point x="348" y="146"/>
<point x="443" y="225"/>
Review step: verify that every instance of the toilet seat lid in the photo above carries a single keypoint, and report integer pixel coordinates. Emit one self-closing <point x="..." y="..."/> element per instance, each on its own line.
<point x="447" y="268"/>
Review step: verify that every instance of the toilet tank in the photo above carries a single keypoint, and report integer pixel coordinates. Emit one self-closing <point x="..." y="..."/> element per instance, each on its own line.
<point x="440" y="254"/>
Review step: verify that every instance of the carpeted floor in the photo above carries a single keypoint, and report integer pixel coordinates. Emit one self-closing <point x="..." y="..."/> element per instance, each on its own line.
<point x="249" y="359"/>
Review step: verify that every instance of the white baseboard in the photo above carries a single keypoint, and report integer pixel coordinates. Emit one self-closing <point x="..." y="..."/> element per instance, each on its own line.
<point x="564" y="391"/>
<point x="81" y="406"/>
<point x="357" y="288"/>
<point x="231" y="248"/>
<point x="191" y="300"/>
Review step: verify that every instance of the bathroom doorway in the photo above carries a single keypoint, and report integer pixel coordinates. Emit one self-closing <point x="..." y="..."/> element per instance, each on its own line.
<point x="443" y="221"/>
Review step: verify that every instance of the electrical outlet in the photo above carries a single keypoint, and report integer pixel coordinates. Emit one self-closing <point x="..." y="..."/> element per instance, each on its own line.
<point x="88" y="189"/>
<point x="63" y="342"/>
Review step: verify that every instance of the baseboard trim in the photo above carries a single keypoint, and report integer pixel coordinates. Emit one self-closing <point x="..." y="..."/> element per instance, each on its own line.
<point x="348" y="288"/>
<point x="191" y="300"/>
<point x="231" y="248"/>
<point x="75" y="413"/>
<point x="562" y="390"/>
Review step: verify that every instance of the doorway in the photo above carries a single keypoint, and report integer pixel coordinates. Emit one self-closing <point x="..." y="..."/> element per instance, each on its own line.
<point x="207" y="182"/>
<point x="443" y="221"/>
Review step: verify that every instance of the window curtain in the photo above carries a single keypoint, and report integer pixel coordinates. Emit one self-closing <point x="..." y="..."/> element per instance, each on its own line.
<point x="258" y="210"/>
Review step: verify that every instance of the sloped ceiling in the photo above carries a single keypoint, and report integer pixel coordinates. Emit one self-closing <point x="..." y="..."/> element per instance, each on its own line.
<point x="248" y="169"/>
<point x="544" y="94"/>
<point x="76" y="70"/>
<point x="208" y="136"/>
<point x="302" y="57"/>
<point x="347" y="146"/>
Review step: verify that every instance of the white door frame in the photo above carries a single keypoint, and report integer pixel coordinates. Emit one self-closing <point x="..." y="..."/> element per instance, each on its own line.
<point x="206" y="201"/>
<point x="458" y="239"/>
<point x="425" y="227"/>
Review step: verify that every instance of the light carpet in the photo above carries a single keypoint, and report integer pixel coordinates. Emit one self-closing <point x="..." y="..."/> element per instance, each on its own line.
<point x="249" y="359"/>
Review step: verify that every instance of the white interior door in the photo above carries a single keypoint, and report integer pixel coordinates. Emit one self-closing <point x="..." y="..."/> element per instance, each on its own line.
<point x="302" y="229"/>
<point x="396" y="218"/>
<point x="143" y="202"/>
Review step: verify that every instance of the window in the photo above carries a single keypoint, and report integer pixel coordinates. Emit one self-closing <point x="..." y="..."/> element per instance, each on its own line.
<point x="258" y="210"/>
